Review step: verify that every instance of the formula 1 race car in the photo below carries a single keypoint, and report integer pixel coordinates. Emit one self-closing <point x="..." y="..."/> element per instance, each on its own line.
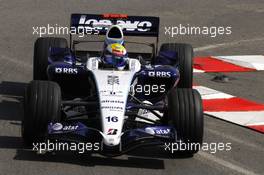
<point x="120" y="99"/>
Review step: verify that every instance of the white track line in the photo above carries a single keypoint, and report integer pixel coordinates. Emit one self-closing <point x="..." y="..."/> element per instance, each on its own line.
<point x="225" y="163"/>
<point x="15" y="61"/>
<point x="215" y="46"/>
<point x="234" y="139"/>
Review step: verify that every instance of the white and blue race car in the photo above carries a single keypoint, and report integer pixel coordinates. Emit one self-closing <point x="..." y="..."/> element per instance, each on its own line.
<point x="122" y="99"/>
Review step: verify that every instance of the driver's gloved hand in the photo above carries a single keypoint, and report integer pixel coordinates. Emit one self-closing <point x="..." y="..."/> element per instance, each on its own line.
<point x="141" y="60"/>
<point x="82" y="59"/>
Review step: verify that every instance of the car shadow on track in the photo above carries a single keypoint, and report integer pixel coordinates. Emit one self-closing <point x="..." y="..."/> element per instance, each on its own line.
<point x="12" y="88"/>
<point x="146" y="158"/>
<point x="10" y="110"/>
<point x="11" y="100"/>
<point x="91" y="160"/>
<point x="138" y="159"/>
<point x="11" y="142"/>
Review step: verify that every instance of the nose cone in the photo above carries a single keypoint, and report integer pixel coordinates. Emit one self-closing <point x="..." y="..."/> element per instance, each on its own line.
<point x="111" y="140"/>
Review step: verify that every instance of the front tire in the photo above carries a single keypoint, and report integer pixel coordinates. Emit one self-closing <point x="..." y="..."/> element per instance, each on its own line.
<point x="41" y="54"/>
<point x="42" y="105"/>
<point x="184" y="54"/>
<point x="185" y="114"/>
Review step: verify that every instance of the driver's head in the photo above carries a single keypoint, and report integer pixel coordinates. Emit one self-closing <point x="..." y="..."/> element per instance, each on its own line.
<point x="116" y="55"/>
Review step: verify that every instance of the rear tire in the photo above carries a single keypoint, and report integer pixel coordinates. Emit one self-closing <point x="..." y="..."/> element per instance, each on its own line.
<point x="185" y="58"/>
<point x="185" y="114"/>
<point x="41" y="54"/>
<point x="42" y="105"/>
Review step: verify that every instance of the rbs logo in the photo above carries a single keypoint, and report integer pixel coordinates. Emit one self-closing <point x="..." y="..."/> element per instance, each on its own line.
<point x="159" y="74"/>
<point x="60" y="70"/>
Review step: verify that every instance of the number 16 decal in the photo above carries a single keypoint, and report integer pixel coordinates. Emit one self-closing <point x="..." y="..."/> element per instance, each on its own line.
<point x="112" y="119"/>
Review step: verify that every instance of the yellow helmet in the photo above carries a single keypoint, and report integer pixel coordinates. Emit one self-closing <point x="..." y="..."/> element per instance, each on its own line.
<point x="116" y="55"/>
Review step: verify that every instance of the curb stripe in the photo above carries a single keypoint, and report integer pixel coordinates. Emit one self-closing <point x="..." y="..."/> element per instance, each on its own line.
<point x="243" y="63"/>
<point x="210" y="64"/>
<point x="248" y="61"/>
<point x="197" y="70"/>
<point x="232" y="104"/>
<point x="233" y="109"/>
<point x="208" y="93"/>
<point x="257" y="127"/>
<point x="241" y="118"/>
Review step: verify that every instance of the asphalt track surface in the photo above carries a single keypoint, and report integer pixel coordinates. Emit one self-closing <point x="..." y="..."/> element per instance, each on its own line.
<point x="16" y="48"/>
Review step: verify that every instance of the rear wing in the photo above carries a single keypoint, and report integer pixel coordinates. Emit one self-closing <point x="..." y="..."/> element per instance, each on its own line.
<point x="96" y="24"/>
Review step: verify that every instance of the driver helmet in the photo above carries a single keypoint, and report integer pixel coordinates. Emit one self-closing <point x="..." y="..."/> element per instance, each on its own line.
<point x="116" y="55"/>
